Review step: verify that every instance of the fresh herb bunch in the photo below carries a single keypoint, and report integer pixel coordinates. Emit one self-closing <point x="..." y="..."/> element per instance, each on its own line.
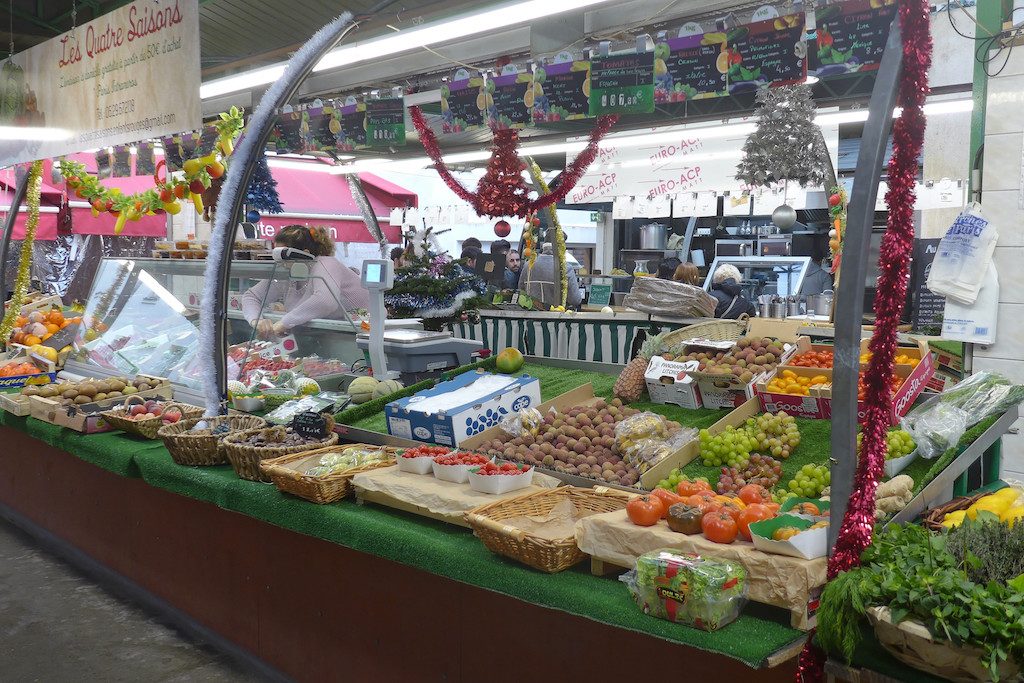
<point x="988" y="551"/>
<point x="915" y="574"/>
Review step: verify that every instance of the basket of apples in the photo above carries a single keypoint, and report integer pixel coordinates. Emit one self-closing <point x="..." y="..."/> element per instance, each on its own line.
<point x="144" y="417"/>
<point x="497" y="479"/>
<point x="454" y="467"/>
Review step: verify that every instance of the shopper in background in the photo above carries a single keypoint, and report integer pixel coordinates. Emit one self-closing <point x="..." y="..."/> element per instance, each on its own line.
<point x="397" y="255"/>
<point x="472" y="242"/>
<point x="816" y="279"/>
<point x="688" y="274"/>
<point x="667" y="268"/>
<point x="500" y="247"/>
<point x="726" y="288"/>
<point x="468" y="258"/>
<point x="541" y="281"/>
<point x="330" y="290"/>
<point x="513" y="264"/>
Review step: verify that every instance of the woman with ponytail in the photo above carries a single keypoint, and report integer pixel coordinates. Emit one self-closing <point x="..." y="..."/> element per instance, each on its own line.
<point x="331" y="289"/>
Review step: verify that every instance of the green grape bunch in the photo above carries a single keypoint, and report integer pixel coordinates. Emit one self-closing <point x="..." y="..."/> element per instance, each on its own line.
<point x="810" y="480"/>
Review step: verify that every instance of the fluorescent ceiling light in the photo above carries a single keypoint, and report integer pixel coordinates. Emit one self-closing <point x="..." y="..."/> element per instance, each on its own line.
<point x="34" y="133"/>
<point x="406" y="40"/>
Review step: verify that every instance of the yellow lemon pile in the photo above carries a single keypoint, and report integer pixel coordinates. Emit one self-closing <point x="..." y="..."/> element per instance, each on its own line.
<point x="1007" y="504"/>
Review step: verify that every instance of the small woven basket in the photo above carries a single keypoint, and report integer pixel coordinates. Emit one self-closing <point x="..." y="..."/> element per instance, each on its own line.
<point x="147" y="428"/>
<point x="932" y="519"/>
<point x="540" y="553"/>
<point x="204" y="448"/>
<point x="287" y="473"/>
<point x="246" y="459"/>
<point x="715" y="330"/>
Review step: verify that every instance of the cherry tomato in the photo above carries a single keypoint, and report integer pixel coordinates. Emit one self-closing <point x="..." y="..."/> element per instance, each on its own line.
<point x="644" y="510"/>
<point x="719" y="527"/>
<point x="753" y="513"/>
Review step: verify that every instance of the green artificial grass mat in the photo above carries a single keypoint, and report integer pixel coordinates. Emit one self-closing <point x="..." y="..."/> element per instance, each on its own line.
<point x="111" y="451"/>
<point x="952" y="347"/>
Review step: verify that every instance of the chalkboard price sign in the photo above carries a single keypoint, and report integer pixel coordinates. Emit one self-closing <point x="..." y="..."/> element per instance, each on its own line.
<point x="561" y="92"/>
<point x="929" y="307"/>
<point x="622" y="84"/>
<point x="850" y="37"/>
<point x="310" y="425"/>
<point x="385" y="122"/>
<point x="511" y="98"/>
<point x="463" y="103"/>
<point x="351" y="126"/>
<point x="689" y="68"/>
<point x="767" y="53"/>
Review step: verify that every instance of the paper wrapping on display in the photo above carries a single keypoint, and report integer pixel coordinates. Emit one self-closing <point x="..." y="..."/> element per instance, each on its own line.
<point x="773" y="579"/>
<point x="667" y="297"/>
<point x="440" y="498"/>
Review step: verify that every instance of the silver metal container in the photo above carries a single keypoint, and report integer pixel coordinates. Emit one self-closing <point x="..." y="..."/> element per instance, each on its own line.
<point x="766" y="309"/>
<point x="794" y="307"/>
<point x="820" y="304"/>
<point x="653" y="236"/>
<point x="779" y="309"/>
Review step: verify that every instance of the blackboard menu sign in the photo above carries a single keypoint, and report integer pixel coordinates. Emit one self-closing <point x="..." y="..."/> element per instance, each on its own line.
<point x="622" y="84"/>
<point x="286" y="135"/>
<point x="385" y="122"/>
<point x="561" y="92"/>
<point x="63" y="337"/>
<point x="351" y="127"/>
<point x="929" y="307"/>
<point x="310" y="425"/>
<point x="689" y="68"/>
<point x="463" y="102"/>
<point x="320" y="137"/>
<point x="850" y="37"/>
<point x="510" y="98"/>
<point x="767" y="53"/>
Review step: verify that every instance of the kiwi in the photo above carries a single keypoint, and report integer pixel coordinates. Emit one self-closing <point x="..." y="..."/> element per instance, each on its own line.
<point x="100" y="396"/>
<point x="70" y="393"/>
<point x="114" y="394"/>
<point x="82" y="399"/>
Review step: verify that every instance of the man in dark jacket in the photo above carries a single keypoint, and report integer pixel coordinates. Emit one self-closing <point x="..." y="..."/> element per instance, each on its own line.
<point x="726" y="289"/>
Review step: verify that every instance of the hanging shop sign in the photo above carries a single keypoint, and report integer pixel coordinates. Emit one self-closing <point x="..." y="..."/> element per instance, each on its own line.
<point x="690" y="67"/>
<point x="561" y="90"/>
<point x="463" y="103"/>
<point x="622" y="84"/>
<point x="349" y="125"/>
<point x="511" y="99"/>
<point x="850" y="37"/>
<point x="128" y="75"/>
<point x="385" y="122"/>
<point x="767" y="53"/>
<point x="178" y="148"/>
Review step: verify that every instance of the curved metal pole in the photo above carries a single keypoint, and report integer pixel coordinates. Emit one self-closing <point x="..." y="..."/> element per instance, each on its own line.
<point x="850" y="301"/>
<point x="229" y="215"/>
<point x="20" y="190"/>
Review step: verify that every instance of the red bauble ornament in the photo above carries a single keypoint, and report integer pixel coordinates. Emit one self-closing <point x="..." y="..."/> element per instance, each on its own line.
<point x="834" y="200"/>
<point x="502" y="229"/>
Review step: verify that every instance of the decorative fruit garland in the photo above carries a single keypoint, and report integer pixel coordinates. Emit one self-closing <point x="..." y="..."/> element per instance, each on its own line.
<point x="894" y="255"/>
<point x="502" y="190"/>
<point x="21" y="281"/>
<point x="199" y="174"/>
<point x="529" y="240"/>
<point x="837" y="206"/>
<point x="558" y="241"/>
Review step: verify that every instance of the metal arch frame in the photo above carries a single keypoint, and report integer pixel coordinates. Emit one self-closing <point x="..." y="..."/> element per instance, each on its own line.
<point x="20" y="190"/>
<point x="856" y="244"/>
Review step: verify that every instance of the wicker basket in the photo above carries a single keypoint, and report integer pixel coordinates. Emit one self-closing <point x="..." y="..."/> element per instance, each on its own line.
<point x="287" y="473"/>
<point x="715" y="330"/>
<point x="911" y="643"/>
<point x="202" y="449"/>
<point x="246" y="459"/>
<point x="149" y="427"/>
<point x="932" y="519"/>
<point x="540" y="553"/>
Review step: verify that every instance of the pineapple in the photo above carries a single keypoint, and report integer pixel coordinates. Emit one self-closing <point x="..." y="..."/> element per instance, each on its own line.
<point x="630" y="385"/>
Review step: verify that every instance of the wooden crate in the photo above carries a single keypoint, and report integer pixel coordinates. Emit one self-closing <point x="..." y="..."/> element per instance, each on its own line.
<point x="86" y="417"/>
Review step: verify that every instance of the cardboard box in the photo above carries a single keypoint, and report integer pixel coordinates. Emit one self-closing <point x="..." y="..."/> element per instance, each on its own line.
<point x="454" y="424"/>
<point x="670" y="382"/>
<point x="943" y="379"/>
<point x="48" y="374"/>
<point x="86" y="417"/>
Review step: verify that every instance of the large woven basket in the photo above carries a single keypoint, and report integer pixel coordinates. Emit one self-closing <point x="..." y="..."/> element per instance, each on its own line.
<point x="911" y="643"/>
<point x="287" y="473"/>
<point x="932" y="519"/>
<point x="715" y="330"/>
<point x="245" y="459"/>
<point x="540" y="553"/>
<point x="147" y="428"/>
<point x="204" y="448"/>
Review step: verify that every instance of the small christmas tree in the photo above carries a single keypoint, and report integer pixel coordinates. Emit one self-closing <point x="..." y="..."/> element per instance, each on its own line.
<point x="262" y="192"/>
<point x="787" y="145"/>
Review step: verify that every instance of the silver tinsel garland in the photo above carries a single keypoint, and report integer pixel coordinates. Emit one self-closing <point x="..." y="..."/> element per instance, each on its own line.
<point x="369" y="217"/>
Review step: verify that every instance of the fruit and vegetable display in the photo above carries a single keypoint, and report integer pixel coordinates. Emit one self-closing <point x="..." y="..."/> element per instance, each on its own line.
<point x="810" y="481"/>
<point x="788" y="382"/>
<point x="425" y="452"/>
<point x="1006" y="505"/>
<point x="146" y="410"/>
<point x="899" y="359"/>
<point x="20" y="369"/>
<point x="505" y="469"/>
<point x="346" y="459"/>
<point x="36" y="327"/>
<point x="812" y="359"/>
<point x="749" y="357"/>
<point x="760" y="470"/>
<point x="685" y="588"/>
<point x="631" y="384"/>
<point x="509" y="361"/>
<point x="776" y="434"/>
<point x="93" y="390"/>
<point x="898" y="444"/>
<point x="461" y="458"/>
<point x="580" y="440"/>
<point x="276" y="437"/>
<point x="890" y="497"/>
<point x="895" y="383"/>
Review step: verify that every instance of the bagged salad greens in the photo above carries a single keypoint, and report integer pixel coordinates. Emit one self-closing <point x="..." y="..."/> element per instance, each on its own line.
<point x="937" y="424"/>
<point x="688" y="589"/>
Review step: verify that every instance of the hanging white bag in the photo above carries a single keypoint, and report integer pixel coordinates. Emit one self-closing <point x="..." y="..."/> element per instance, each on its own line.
<point x="963" y="257"/>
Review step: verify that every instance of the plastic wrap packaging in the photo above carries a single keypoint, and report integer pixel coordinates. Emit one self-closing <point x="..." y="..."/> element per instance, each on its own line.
<point x="524" y="422"/>
<point x="667" y="297"/>
<point x="645" y="439"/>
<point x="686" y="588"/>
<point x="937" y="424"/>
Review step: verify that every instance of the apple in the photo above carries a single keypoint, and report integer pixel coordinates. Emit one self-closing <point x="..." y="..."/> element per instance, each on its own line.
<point x="155" y="412"/>
<point x="171" y="418"/>
<point x="196" y="187"/>
<point x="137" y="410"/>
<point x="179" y="191"/>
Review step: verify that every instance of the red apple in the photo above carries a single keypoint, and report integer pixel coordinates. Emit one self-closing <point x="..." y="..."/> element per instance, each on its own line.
<point x="196" y="187"/>
<point x="137" y="410"/>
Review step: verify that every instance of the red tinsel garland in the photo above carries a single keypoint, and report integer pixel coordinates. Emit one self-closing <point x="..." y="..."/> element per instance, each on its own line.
<point x="502" y="190"/>
<point x="894" y="255"/>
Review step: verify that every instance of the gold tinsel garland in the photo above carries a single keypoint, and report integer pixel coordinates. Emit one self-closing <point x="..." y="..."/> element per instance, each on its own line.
<point x="558" y="243"/>
<point x="21" y="282"/>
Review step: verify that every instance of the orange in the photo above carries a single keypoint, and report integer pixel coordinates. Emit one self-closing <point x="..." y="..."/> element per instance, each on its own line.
<point x="31" y="340"/>
<point x="21" y="321"/>
<point x="46" y="336"/>
<point x="55" y="317"/>
<point x="51" y="327"/>
<point x="65" y="324"/>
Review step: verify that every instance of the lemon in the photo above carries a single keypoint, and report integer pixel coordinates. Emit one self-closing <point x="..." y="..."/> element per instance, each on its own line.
<point x="1009" y="493"/>
<point x="954" y="519"/>
<point x="722" y="63"/>
<point x="1012" y="515"/>
<point x="988" y="504"/>
<point x="660" y="67"/>
<point x="528" y="98"/>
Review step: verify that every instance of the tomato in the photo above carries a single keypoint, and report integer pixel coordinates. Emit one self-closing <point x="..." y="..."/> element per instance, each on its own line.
<point x="704" y="504"/>
<point x="806" y="509"/>
<point x="753" y="513"/>
<point x="706" y="493"/>
<point x="754" y="493"/>
<point x="719" y="527"/>
<point x="732" y="507"/>
<point x="644" y="510"/>
<point x="667" y="500"/>
<point x="774" y="507"/>
<point x="731" y="499"/>
<point x="689" y="488"/>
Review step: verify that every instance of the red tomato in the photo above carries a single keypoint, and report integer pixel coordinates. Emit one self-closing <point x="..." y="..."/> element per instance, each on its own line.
<point x="754" y="493"/>
<point x="705" y="505"/>
<point x="644" y="510"/>
<point x="667" y="500"/>
<point x="705" y="493"/>
<point x="689" y="488"/>
<point x="754" y="513"/>
<point x="719" y="527"/>
<point x="730" y="507"/>
<point x="774" y="507"/>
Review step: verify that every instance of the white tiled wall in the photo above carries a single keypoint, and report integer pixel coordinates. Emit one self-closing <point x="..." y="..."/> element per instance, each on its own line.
<point x="1004" y="139"/>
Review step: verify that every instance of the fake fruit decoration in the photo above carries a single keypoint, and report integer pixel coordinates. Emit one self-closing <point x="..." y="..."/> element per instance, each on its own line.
<point x="719" y="527"/>
<point x="685" y="519"/>
<point x="644" y="510"/>
<point x="361" y="389"/>
<point x="386" y="388"/>
<point x="752" y="513"/>
<point x="510" y="360"/>
<point x="837" y="211"/>
<point x="784" y="533"/>
<point x="631" y="385"/>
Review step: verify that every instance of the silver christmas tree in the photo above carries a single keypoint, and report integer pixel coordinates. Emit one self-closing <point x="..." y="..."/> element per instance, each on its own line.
<point x="786" y="145"/>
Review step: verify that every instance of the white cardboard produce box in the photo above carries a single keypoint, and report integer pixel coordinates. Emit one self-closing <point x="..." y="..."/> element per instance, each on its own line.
<point x="670" y="382"/>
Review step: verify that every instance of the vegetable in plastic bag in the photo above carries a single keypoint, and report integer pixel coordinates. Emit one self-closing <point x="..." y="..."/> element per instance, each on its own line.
<point x="938" y="424"/>
<point x="644" y="439"/>
<point x="686" y="588"/>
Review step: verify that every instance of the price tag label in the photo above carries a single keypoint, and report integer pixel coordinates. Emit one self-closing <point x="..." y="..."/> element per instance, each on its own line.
<point x="600" y="295"/>
<point x="310" y="425"/>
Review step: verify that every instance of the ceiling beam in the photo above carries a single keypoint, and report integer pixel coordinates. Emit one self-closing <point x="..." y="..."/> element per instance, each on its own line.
<point x="32" y="19"/>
